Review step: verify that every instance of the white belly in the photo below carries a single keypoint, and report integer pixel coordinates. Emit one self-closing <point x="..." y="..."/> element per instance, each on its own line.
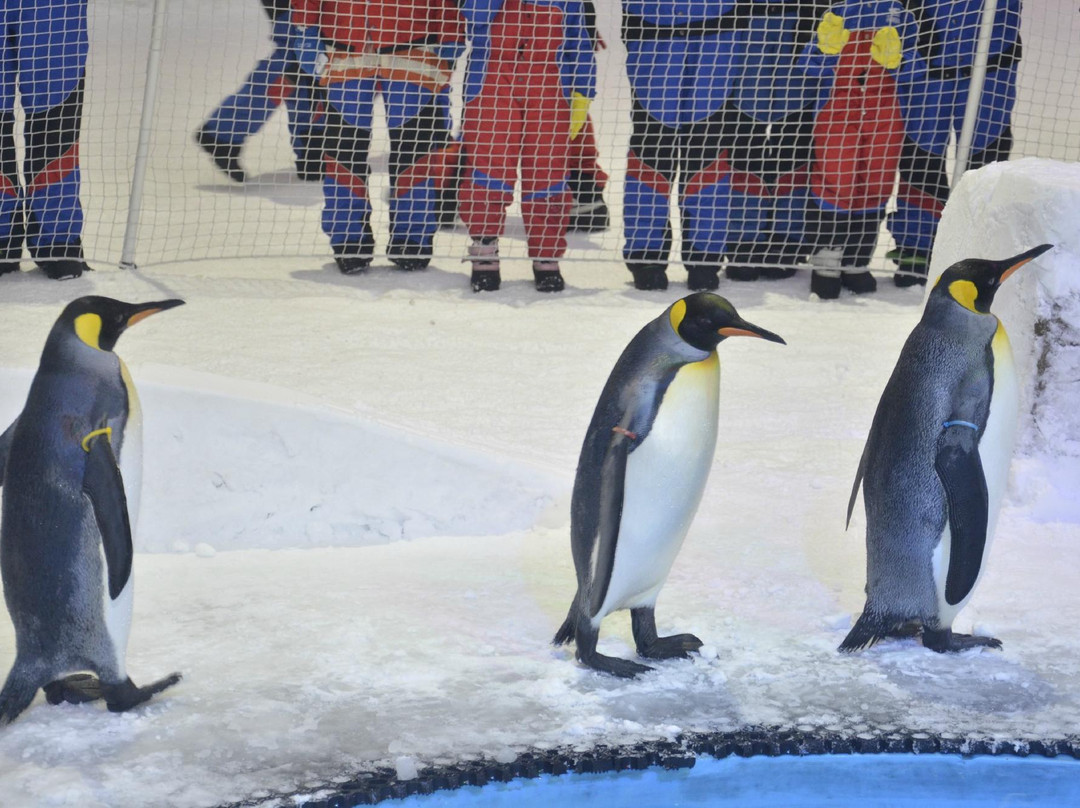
<point x="665" y="478"/>
<point x="131" y="450"/>
<point x="117" y="612"/>
<point x="995" y="454"/>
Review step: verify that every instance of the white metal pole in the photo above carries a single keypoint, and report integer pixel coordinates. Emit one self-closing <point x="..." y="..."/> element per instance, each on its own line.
<point x="142" y="151"/>
<point x="978" y="76"/>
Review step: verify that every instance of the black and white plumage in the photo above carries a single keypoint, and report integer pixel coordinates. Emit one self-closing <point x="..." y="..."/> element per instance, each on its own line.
<point x="70" y="471"/>
<point x="936" y="462"/>
<point x="641" y="474"/>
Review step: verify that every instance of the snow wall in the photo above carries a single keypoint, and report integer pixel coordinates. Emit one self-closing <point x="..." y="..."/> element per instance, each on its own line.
<point x="264" y="467"/>
<point x="996" y="212"/>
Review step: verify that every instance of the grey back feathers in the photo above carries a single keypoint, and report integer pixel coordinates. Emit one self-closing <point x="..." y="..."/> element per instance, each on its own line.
<point x="945" y="367"/>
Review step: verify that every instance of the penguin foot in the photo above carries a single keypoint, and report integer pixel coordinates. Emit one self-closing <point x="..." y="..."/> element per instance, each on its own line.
<point x="677" y="646"/>
<point x="905" y="631"/>
<point x="79" y="688"/>
<point x="124" y="696"/>
<point x="623" y="668"/>
<point x="946" y="641"/>
<point x="651" y="646"/>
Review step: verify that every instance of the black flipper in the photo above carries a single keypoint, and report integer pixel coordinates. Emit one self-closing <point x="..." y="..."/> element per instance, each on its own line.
<point x="961" y="473"/>
<point x="612" y="482"/>
<point x="104" y="487"/>
<point x="5" y="444"/>
<point x="855" y="487"/>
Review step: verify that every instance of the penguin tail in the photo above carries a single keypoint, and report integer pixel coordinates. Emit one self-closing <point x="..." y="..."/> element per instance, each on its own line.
<point x="19" y="690"/>
<point x="566" y="631"/>
<point x="868" y="629"/>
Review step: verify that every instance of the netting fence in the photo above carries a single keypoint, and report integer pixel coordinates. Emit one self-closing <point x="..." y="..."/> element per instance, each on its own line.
<point x="746" y="137"/>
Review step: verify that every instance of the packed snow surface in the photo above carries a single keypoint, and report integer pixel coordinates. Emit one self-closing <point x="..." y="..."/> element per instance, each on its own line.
<point x="354" y="539"/>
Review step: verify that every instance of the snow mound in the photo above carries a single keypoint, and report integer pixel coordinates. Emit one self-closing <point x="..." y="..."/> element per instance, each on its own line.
<point x="231" y="465"/>
<point x="1003" y="210"/>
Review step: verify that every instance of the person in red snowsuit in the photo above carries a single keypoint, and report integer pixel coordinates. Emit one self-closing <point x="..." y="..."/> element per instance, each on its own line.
<point x="405" y="51"/>
<point x="858" y="136"/>
<point x="531" y="76"/>
<point x="589" y="212"/>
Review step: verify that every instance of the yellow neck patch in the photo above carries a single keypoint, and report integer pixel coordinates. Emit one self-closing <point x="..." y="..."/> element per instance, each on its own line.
<point x="964" y="293"/>
<point x="88" y="329"/>
<point x="678" y="312"/>
<point x="1001" y="338"/>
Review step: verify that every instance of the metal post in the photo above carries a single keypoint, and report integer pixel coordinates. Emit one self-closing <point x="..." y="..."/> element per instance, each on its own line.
<point x="978" y="76"/>
<point x="142" y="151"/>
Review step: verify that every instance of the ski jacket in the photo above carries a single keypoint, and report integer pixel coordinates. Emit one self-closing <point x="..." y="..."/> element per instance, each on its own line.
<point x="381" y="25"/>
<point x="542" y="31"/>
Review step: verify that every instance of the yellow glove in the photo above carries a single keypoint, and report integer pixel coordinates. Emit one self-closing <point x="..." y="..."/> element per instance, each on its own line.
<point x="831" y="33"/>
<point x="885" y="49"/>
<point x="579" y="113"/>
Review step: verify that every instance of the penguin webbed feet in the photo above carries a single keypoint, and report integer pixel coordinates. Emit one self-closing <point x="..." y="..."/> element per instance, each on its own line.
<point x="78" y="688"/>
<point x="616" y="666"/>
<point x="651" y="646"/>
<point x="677" y="646"/>
<point x="944" y="641"/>
<point x="125" y="695"/>
<point x="585" y="637"/>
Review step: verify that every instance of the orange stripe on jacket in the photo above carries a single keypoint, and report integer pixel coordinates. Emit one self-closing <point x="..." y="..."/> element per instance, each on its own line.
<point x="55" y="170"/>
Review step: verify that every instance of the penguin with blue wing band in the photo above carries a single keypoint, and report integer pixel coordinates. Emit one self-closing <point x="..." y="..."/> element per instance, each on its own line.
<point x="69" y="467"/>
<point x="936" y="462"/>
<point x="642" y="472"/>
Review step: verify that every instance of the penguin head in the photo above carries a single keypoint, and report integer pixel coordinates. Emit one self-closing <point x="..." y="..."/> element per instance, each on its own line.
<point x="704" y="320"/>
<point x="99" y="321"/>
<point x="973" y="282"/>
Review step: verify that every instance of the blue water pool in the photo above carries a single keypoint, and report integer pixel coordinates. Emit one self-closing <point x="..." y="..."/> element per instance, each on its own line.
<point x="840" y="781"/>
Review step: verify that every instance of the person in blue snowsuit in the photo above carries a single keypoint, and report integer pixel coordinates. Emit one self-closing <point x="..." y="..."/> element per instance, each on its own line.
<point x="405" y="52"/>
<point x="769" y="138"/>
<point x="934" y="106"/>
<point x="679" y="59"/>
<point x="275" y="79"/>
<point x="43" y="56"/>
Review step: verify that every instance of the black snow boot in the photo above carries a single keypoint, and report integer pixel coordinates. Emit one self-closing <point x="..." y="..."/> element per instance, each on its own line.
<point x="352" y="259"/>
<point x="703" y="279"/>
<point x="226" y="156"/>
<point x="64" y="269"/>
<point x="649" y="277"/>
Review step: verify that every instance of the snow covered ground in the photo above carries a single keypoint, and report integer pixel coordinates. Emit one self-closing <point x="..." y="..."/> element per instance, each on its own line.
<point x="354" y="537"/>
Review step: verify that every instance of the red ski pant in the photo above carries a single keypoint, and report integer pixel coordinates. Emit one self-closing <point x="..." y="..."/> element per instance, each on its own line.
<point x="520" y="122"/>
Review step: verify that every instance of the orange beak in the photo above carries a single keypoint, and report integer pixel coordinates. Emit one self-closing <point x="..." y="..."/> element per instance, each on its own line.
<point x="1013" y="264"/>
<point x="152" y="308"/>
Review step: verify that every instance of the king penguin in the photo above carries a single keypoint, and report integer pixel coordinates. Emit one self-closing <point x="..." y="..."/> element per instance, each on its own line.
<point x="936" y="462"/>
<point x="69" y="467"/>
<point x="641" y="474"/>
